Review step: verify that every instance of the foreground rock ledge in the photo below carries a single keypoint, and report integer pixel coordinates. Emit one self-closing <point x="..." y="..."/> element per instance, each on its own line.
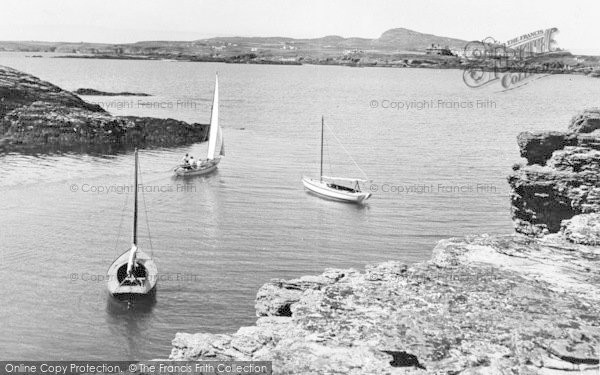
<point x="481" y="305"/>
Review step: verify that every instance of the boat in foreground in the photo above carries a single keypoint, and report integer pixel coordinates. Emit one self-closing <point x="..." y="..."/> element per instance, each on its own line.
<point x="133" y="273"/>
<point x="140" y="279"/>
<point x="205" y="167"/>
<point x="332" y="187"/>
<point x="215" y="137"/>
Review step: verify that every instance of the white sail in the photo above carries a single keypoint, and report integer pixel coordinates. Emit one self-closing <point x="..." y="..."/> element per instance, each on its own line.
<point x="222" y="152"/>
<point x="214" y="123"/>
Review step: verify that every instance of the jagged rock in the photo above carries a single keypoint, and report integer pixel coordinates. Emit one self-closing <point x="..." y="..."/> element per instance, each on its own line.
<point x="583" y="229"/>
<point x="538" y="147"/>
<point x="385" y="271"/>
<point x="199" y="345"/>
<point x="586" y="122"/>
<point x="561" y="180"/>
<point x="482" y="305"/>
<point x="36" y="115"/>
<point x="277" y="297"/>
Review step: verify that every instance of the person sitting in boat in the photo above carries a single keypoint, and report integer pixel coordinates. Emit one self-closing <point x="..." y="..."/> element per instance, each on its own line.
<point x="191" y="163"/>
<point x="185" y="159"/>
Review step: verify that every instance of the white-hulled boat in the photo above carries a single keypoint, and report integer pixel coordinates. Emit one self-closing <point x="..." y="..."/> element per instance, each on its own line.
<point x="215" y="139"/>
<point x="332" y="187"/>
<point x="133" y="273"/>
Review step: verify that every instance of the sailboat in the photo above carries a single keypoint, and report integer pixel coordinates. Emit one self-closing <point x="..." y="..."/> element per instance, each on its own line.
<point x="332" y="187"/>
<point x="215" y="137"/>
<point x="133" y="273"/>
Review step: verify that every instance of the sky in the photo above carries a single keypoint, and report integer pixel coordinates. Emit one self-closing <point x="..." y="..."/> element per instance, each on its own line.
<point x="110" y="21"/>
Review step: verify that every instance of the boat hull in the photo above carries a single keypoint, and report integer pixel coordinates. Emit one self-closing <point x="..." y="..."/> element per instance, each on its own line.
<point x="145" y="288"/>
<point x="321" y="189"/>
<point x="180" y="171"/>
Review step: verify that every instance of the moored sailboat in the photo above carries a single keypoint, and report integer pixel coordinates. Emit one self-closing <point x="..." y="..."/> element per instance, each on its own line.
<point x="133" y="273"/>
<point x="333" y="187"/>
<point x="215" y="139"/>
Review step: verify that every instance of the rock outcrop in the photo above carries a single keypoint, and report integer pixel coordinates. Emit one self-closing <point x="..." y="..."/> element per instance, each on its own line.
<point x="94" y="92"/>
<point x="582" y="229"/>
<point x="36" y="115"/>
<point x="561" y="178"/>
<point x="482" y="305"/>
<point x="586" y="122"/>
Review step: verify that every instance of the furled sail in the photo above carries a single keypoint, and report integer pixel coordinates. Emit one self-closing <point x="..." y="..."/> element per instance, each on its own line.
<point x="214" y="123"/>
<point x="345" y="179"/>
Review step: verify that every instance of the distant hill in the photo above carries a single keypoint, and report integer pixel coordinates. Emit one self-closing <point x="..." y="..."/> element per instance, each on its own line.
<point x="394" y="40"/>
<point x="415" y="41"/>
<point x="399" y="39"/>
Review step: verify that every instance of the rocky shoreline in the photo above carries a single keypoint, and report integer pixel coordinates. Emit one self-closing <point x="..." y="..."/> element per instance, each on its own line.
<point x="396" y="61"/>
<point x="527" y="303"/>
<point x="37" y="116"/>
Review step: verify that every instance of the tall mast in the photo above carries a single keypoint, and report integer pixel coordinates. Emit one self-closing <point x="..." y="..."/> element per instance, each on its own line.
<point x="322" y="125"/>
<point x="135" y="200"/>
<point x="214" y="122"/>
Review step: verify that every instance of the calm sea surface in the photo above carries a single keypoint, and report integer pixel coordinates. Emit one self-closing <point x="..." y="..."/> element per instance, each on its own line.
<point x="438" y="172"/>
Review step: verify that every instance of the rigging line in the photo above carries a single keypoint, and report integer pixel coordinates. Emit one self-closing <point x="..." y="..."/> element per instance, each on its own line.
<point x="146" y="213"/>
<point x="351" y="158"/>
<point x="121" y="221"/>
<point x="328" y="157"/>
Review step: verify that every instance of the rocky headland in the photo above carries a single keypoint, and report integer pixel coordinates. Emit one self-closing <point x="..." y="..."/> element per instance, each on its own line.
<point x="527" y="303"/>
<point x="37" y="116"/>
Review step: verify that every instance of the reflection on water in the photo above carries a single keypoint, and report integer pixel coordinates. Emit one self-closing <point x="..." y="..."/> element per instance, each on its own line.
<point x="99" y="150"/>
<point x="128" y="319"/>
